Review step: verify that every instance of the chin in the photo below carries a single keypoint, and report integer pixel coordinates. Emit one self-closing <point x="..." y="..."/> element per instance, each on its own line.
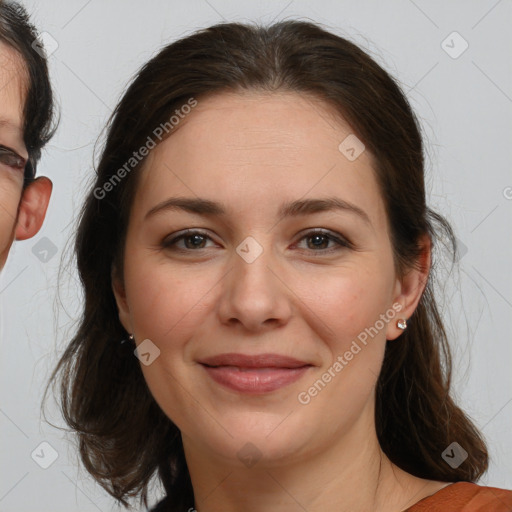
<point x="257" y="438"/>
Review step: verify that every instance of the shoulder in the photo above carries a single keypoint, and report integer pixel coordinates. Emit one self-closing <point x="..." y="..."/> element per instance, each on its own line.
<point x="457" y="497"/>
<point x="466" y="497"/>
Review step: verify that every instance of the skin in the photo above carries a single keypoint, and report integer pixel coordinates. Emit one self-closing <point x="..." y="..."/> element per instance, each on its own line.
<point x="295" y="299"/>
<point x="22" y="212"/>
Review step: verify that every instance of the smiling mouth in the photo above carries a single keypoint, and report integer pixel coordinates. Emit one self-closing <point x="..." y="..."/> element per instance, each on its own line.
<point x="253" y="377"/>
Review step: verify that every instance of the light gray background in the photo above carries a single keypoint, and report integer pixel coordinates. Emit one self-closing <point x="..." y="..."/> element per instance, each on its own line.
<point x="465" y="106"/>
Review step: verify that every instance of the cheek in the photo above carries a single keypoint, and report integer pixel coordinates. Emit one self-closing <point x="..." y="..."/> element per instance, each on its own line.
<point x="347" y="300"/>
<point x="350" y="305"/>
<point x="166" y="302"/>
<point x="167" y="305"/>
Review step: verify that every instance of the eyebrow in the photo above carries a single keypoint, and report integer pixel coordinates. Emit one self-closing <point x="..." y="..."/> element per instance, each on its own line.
<point x="297" y="208"/>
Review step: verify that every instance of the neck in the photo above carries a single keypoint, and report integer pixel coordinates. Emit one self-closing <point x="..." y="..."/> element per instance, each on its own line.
<point x="353" y="475"/>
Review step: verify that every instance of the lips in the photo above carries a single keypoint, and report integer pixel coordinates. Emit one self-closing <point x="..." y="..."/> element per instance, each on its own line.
<point x="253" y="361"/>
<point x="254" y="374"/>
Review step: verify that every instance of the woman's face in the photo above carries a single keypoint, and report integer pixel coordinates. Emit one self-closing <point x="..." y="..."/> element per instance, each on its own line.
<point x="12" y="147"/>
<point x="261" y="278"/>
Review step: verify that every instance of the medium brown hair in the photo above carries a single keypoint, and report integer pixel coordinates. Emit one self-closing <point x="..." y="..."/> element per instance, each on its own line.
<point x="124" y="437"/>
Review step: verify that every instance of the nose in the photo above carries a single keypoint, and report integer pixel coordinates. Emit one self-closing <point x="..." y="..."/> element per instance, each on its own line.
<point x="254" y="294"/>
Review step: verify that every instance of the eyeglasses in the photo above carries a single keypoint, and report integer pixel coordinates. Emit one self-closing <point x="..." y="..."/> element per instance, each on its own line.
<point x="12" y="159"/>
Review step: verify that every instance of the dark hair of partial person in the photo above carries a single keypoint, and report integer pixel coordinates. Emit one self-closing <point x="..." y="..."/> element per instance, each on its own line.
<point x="125" y="440"/>
<point x="17" y="32"/>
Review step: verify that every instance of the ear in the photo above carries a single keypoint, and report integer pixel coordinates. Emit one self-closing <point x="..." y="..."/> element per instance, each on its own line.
<point x="410" y="287"/>
<point x="32" y="208"/>
<point x="123" y="309"/>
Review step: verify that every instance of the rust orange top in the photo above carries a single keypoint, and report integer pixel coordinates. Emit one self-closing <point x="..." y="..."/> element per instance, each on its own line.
<point x="465" y="497"/>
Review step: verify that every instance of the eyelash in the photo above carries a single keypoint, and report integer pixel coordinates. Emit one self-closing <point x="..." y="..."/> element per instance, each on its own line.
<point x="7" y="154"/>
<point x="340" y="241"/>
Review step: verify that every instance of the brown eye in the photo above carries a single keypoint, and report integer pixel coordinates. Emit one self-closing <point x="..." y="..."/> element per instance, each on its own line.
<point x="321" y="239"/>
<point x="193" y="240"/>
<point x="11" y="159"/>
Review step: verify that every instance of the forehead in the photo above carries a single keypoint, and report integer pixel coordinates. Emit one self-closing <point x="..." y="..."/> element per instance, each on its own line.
<point x="264" y="121"/>
<point x="13" y="80"/>
<point x="256" y="148"/>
